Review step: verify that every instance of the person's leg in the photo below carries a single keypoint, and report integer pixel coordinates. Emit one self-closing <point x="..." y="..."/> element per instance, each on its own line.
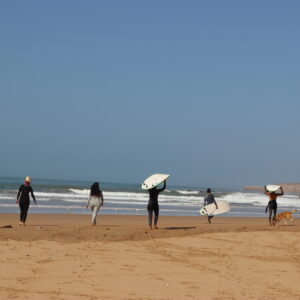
<point x="25" y="211"/>
<point x="270" y="215"/>
<point x="150" y="215"/>
<point x="92" y="210"/>
<point x="94" y="215"/>
<point x="209" y="218"/>
<point x="21" y="205"/>
<point x="274" y="215"/>
<point x="156" y="212"/>
<point x="272" y="205"/>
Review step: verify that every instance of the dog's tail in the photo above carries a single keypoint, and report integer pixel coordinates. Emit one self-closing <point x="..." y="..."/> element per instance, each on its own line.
<point x="294" y="210"/>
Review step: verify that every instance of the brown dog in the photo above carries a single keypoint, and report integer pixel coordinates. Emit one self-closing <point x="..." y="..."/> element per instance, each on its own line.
<point x="286" y="215"/>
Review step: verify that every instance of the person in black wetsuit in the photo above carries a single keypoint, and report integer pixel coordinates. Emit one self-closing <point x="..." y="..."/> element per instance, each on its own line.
<point x="153" y="205"/>
<point x="23" y="199"/>
<point x="272" y="205"/>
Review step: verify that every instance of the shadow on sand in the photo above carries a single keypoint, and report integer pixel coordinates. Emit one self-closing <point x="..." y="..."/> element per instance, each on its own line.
<point x="180" y="228"/>
<point x="44" y="225"/>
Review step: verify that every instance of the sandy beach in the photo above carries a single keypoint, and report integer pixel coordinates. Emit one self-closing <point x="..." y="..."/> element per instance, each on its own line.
<point x="63" y="257"/>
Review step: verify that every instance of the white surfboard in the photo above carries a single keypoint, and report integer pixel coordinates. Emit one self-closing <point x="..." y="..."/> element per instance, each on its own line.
<point x="273" y="188"/>
<point x="211" y="210"/>
<point x="154" y="180"/>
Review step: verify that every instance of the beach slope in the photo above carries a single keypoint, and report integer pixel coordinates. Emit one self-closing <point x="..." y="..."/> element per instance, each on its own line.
<point x="62" y="257"/>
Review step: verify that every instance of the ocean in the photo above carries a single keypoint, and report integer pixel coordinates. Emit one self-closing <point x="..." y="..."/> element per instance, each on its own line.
<point x="70" y="197"/>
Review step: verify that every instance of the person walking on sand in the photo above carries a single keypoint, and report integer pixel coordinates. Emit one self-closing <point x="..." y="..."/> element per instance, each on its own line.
<point x="95" y="201"/>
<point x="272" y="204"/>
<point x="23" y="199"/>
<point x="153" y="205"/>
<point x="209" y="199"/>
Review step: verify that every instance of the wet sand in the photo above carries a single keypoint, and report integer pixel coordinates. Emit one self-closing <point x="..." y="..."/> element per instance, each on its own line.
<point x="63" y="257"/>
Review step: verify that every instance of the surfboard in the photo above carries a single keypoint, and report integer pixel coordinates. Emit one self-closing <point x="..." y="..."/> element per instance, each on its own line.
<point x="154" y="180"/>
<point x="273" y="188"/>
<point x="210" y="209"/>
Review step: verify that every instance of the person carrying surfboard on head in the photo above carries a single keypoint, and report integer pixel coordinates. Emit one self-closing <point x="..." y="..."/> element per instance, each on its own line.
<point x="209" y="199"/>
<point x="153" y="205"/>
<point x="272" y="204"/>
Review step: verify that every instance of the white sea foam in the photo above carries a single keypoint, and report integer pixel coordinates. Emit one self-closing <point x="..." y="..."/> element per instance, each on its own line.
<point x="190" y="199"/>
<point x="80" y="192"/>
<point x="260" y="199"/>
<point x="187" y="192"/>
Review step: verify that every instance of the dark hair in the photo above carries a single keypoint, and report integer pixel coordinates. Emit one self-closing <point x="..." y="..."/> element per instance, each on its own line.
<point x="95" y="189"/>
<point x="208" y="190"/>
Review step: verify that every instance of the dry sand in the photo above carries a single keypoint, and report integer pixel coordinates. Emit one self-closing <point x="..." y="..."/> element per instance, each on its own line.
<point x="62" y="257"/>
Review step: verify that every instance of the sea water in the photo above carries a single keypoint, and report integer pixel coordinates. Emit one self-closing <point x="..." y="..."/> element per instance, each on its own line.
<point x="70" y="197"/>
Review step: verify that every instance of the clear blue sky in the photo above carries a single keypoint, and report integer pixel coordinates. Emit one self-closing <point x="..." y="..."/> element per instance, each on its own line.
<point x="207" y="91"/>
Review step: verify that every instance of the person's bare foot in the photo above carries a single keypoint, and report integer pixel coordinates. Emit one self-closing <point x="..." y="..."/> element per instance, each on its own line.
<point x="20" y="223"/>
<point x="156" y="227"/>
<point x="150" y="227"/>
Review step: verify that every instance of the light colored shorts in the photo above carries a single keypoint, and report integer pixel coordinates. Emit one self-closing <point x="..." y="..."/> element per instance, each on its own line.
<point x="95" y="201"/>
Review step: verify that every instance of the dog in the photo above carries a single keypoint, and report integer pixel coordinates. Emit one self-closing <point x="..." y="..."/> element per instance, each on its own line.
<point x="286" y="215"/>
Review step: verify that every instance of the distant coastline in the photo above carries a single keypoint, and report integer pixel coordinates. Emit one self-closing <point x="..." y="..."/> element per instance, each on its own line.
<point x="291" y="188"/>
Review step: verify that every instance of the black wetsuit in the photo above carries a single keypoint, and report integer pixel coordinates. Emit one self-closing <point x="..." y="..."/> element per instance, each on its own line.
<point x="153" y="204"/>
<point x="24" y="201"/>
<point x="272" y="205"/>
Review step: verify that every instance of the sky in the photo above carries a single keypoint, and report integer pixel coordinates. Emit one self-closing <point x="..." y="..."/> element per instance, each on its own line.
<point x="207" y="91"/>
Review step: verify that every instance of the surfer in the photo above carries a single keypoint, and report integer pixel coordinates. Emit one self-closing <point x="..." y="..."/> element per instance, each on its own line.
<point x="95" y="201"/>
<point x="23" y="199"/>
<point x="272" y="205"/>
<point x="153" y="205"/>
<point x="209" y="199"/>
